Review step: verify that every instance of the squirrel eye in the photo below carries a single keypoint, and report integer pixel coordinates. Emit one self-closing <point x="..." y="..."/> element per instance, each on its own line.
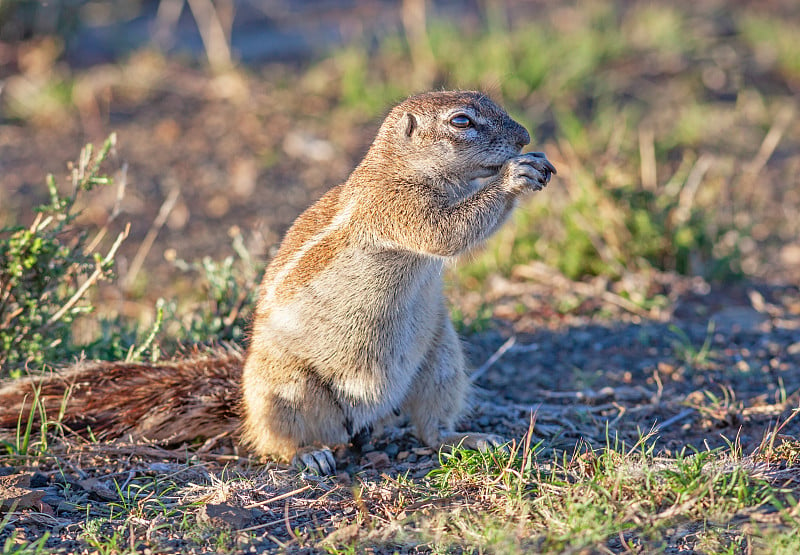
<point x="461" y="121"/>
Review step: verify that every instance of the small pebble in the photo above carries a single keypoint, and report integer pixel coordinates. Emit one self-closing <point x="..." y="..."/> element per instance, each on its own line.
<point x="352" y="469"/>
<point x="392" y="450"/>
<point x="64" y="507"/>
<point x="378" y="459"/>
<point x="53" y="500"/>
<point x="39" y="480"/>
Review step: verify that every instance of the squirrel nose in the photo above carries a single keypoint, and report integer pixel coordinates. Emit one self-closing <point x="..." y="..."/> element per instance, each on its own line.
<point x="523" y="137"/>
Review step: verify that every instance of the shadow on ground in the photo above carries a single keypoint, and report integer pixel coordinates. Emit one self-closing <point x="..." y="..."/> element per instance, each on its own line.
<point x="723" y="367"/>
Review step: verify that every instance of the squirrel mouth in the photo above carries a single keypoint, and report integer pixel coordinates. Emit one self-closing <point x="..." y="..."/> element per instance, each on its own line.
<point x="490" y="170"/>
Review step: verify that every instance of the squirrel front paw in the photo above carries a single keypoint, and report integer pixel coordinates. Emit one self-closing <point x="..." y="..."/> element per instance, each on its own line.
<point x="529" y="171"/>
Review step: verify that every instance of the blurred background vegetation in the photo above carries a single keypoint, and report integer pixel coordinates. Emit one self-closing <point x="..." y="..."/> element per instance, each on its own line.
<point x="674" y="126"/>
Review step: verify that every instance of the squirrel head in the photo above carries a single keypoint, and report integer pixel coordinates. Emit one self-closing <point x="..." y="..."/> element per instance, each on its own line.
<point x="451" y="136"/>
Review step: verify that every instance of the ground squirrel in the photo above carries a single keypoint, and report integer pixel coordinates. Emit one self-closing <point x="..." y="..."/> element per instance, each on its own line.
<point x="351" y="326"/>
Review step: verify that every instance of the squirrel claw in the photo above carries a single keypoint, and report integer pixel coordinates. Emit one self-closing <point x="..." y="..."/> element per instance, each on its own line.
<point x="548" y="165"/>
<point x="476" y="441"/>
<point x="317" y="461"/>
<point x="530" y="171"/>
<point x="488" y="442"/>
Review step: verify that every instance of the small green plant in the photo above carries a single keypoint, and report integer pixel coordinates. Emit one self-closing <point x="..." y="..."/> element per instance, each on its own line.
<point x="776" y="34"/>
<point x="467" y="325"/>
<point x="105" y="537"/>
<point x="23" y="439"/>
<point x="37" y="546"/>
<point x="47" y="268"/>
<point x="690" y="355"/>
<point x="229" y="290"/>
<point x="592" y="498"/>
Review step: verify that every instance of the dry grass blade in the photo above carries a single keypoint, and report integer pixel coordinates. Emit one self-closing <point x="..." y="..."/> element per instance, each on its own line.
<point x="121" y="181"/>
<point x="771" y="140"/>
<point x="212" y="33"/>
<point x="149" y="239"/>
<point x="647" y="155"/>
<point x="280" y="497"/>
<point x="683" y="210"/>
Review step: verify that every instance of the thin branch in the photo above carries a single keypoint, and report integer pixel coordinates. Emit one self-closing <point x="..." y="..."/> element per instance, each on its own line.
<point x="495" y="357"/>
<point x="771" y="140"/>
<point x="149" y="239"/>
<point x="121" y="182"/>
<point x="212" y="33"/>
<point x="278" y="498"/>
<point x="92" y="279"/>
<point x="647" y="155"/>
<point x="670" y="421"/>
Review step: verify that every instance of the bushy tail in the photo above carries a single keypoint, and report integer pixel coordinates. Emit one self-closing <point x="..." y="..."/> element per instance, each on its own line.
<point x="195" y="396"/>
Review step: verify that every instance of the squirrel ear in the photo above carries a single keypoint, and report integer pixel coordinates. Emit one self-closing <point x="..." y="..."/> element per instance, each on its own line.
<point x="410" y="124"/>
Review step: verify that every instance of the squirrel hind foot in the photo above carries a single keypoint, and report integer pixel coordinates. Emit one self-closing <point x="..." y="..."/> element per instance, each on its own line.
<point x="472" y="440"/>
<point x="315" y="460"/>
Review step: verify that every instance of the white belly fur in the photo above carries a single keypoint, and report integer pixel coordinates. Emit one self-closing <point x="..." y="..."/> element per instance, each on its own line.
<point x="364" y="324"/>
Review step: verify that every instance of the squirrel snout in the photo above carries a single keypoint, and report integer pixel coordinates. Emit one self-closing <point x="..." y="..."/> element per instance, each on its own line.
<point x="522" y="137"/>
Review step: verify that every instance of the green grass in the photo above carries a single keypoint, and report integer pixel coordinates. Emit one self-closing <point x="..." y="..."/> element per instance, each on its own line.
<point x="522" y="499"/>
<point x="28" y="440"/>
<point x="508" y="504"/>
<point x="774" y="38"/>
<point x="692" y="356"/>
<point x="13" y="545"/>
